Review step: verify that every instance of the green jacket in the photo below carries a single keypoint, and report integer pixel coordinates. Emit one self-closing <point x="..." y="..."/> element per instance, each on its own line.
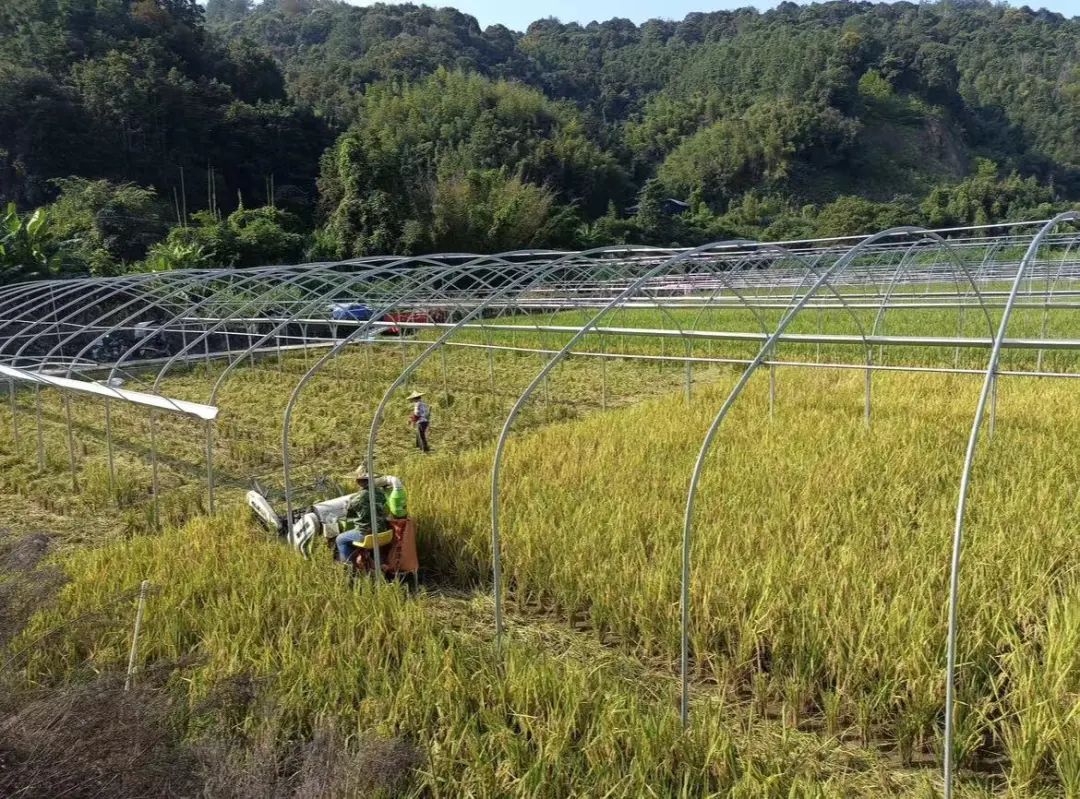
<point x="358" y="514"/>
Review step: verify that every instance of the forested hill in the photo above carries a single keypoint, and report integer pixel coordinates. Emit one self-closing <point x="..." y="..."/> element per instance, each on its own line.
<point x="160" y="135"/>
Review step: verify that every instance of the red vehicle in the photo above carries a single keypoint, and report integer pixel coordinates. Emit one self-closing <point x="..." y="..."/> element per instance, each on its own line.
<point x="434" y="316"/>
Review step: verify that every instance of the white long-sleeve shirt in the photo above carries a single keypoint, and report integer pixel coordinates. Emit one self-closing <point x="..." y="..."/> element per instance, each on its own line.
<point x="421" y="411"/>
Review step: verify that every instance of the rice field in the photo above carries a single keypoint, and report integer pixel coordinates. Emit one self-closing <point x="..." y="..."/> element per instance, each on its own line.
<point x="820" y="562"/>
<point x="818" y="602"/>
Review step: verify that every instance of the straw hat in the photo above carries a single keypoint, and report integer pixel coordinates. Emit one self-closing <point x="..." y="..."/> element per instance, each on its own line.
<point x="416" y="395"/>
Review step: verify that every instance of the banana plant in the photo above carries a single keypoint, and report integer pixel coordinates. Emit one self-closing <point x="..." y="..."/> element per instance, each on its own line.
<point x="25" y="251"/>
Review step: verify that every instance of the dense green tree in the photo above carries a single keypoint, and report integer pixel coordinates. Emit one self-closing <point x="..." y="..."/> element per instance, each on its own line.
<point x="138" y="91"/>
<point x="413" y="141"/>
<point x="367" y="129"/>
<point x="761" y="148"/>
<point x="984" y="198"/>
<point x="851" y="216"/>
<point x="498" y="212"/>
<point x="107" y="226"/>
<point x="247" y="237"/>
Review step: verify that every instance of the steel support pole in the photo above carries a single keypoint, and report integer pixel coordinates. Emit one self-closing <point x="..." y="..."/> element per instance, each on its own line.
<point x="210" y="465"/>
<point x="689" y="374"/>
<point x="109" y="448"/>
<point x="155" y="486"/>
<point x="71" y="442"/>
<point x="772" y="391"/>
<point x="445" y="381"/>
<point x="820" y="327"/>
<point x="965" y="482"/>
<point x="40" y="434"/>
<point x="869" y="392"/>
<point x="603" y="379"/>
<point x="14" y="417"/>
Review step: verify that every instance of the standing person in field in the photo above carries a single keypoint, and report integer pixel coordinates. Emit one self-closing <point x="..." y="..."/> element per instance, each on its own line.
<point x="421" y="417"/>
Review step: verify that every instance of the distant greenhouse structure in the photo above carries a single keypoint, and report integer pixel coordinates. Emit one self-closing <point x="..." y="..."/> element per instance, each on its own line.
<point x="994" y="302"/>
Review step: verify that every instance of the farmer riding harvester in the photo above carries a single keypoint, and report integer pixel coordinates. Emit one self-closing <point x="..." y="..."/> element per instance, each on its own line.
<point x="344" y="523"/>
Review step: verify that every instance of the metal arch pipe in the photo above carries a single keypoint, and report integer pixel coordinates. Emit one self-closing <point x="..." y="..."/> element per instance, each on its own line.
<point x="187" y="279"/>
<point x="126" y="285"/>
<point x="129" y="285"/>
<point x="19" y="297"/>
<point x="152" y="418"/>
<point x="724" y="284"/>
<point x="173" y="285"/>
<point x="371" y="265"/>
<point x="695" y="476"/>
<point x="879" y="318"/>
<point x="525" y="282"/>
<point x="957" y="263"/>
<point x="247" y="284"/>
<point x="500" y="446"/>
<point x="1051" y="287"/>
<point x="582" y="274"/>
<point x="581" y="267"/>
<point x="180" y="283"/>
<point x="752" y="307"/>
<point x="142" y="301"/>
<point x="988" y="254"/>
<point x="811" y="269"/>
<point x="965" y="482"/>
<point x="480" y="307"/>
<point x="441" y="273"/>
<point x="688" y="342"/>
<point x="103" y="291"/>
<point x="409" y="369"/>
<point x="291" y="318"/>
<point x="251" y="301"/>
<point x="867" y="347"/>
<point x="755" y="309"/>
<point x="16" y="295"/>
<point x="476" y="264"/>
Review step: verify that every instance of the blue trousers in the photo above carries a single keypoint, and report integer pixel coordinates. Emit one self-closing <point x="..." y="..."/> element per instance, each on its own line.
<point x="344" y="542"/>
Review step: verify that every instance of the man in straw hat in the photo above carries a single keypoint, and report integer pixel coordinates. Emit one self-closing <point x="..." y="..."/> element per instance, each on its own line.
<point x="420" y="418"/>
<point x="358" y="515"/>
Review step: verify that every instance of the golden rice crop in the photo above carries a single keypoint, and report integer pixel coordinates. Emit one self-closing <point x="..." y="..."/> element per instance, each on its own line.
<point x="819" y="571"/>
<point x="551" y="715"/>
<point x="821" y="551"/>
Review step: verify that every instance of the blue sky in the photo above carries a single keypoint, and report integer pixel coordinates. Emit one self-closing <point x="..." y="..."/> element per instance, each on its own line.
<point x="517" y="14"/>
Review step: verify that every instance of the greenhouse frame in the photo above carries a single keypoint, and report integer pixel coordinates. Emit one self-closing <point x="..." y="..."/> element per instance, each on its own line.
<point x="752" y="306"/>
